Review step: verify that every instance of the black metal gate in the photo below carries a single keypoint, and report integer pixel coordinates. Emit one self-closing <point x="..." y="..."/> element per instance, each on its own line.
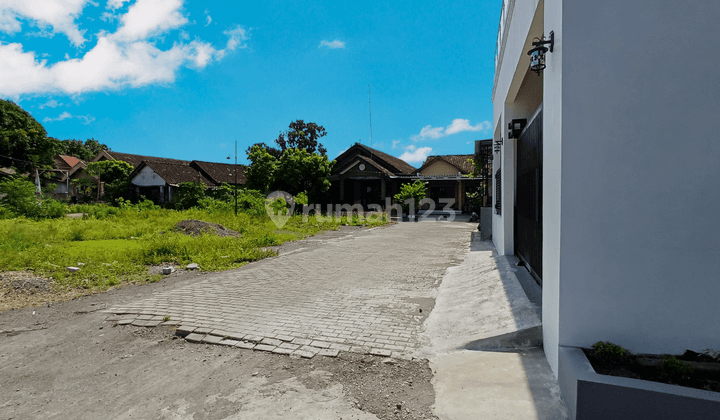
<point x="528" y="202"/>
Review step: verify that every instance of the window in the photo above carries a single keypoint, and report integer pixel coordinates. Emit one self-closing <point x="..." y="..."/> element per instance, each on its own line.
<point x="498" y="192"/>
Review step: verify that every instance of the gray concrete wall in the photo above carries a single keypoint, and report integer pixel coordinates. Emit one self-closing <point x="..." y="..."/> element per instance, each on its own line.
<point x="639" y="206"/>
<point x="590" y="396"/>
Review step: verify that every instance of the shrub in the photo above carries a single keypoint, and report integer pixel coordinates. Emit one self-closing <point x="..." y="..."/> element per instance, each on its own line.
<point x="20" y="197"/>
<point x="188" y="194"/>
<point x="675" y="370"/>
<point x="610" y="352"/>
<point x="415" y="191"/>
<point x="52" y="209"/>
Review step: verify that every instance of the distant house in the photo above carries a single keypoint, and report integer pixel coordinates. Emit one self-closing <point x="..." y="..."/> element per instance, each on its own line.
<point x="365" y="176"/>
<point x="65" y="169"/>
<point x="155" y="178"/>
<point x="447" y="178"/>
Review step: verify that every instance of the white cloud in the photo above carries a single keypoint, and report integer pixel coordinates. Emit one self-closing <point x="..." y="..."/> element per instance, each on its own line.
<point x="428" y="132"/>
<point x="59" y="14"/>
<point x="115" y="4"/>
<point x="236" y="36"/>
<point x="50" y="104"/>
<point x="114" y="62"/>
<point x="395" y="143"/>
<point x="147" y="18"/>
<point x="208" y="19"/>
<point x="458" y="125"/>
<point x="333" y="45"/>
<point x="65" y="115"/>
<point x="415" y="155"/>
<point x="85" y="119"/>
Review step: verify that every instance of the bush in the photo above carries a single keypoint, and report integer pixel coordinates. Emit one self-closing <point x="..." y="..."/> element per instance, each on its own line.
<point x="188" y="194"/>
<point x="610" y="352"/>
<point x="52" y="209"/>
<point x="415" y="191"/>
<point x="20" y="199"/>
<point x="675" y="370"/>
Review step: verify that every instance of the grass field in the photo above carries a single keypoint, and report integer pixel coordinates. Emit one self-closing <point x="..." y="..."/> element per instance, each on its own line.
<point x="117" y="247"/>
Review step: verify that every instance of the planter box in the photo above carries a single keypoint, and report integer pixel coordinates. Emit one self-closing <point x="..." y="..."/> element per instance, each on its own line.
<point x="591" y="396"/>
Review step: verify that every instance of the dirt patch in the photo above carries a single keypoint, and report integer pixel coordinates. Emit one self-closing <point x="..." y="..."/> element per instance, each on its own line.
<point x="194" y="227"/>
<point x="153" y="374"/>
<point x="20" y="289"/>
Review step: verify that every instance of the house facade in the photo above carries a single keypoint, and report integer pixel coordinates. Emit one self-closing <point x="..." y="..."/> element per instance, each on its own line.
<point x="363" y="175"/>
<point x="605" y="169"/>
<point x="155" y="178"/>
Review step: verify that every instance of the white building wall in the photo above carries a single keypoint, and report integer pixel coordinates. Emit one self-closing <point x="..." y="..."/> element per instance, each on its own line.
<point x="148" y="178"/>
<point x="525" y="18"/>
<point x="639" y="169"/>
<point x="552" y="182"/>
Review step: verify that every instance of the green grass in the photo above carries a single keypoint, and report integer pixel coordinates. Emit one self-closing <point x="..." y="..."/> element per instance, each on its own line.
<point x="118" y="246"/>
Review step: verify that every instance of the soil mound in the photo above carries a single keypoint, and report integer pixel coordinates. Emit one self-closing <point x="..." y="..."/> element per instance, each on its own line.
<point x="194" y="227"/>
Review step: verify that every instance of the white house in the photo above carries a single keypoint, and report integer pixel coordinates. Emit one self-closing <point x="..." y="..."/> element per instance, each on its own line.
<point x="609" y="192"/>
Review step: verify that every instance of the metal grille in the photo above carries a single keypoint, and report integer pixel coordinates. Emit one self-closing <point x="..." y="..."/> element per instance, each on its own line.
<point x="498" y="191"/>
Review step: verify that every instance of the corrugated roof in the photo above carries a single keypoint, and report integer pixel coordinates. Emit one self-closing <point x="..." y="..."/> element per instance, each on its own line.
<point x="221" y="172"/>
<point x="458" y="161"/>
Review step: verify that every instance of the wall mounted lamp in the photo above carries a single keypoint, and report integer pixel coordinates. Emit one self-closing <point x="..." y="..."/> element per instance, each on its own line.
<point x="537" y="52"/>
<point x="515" y="127"/>
<point x="496" y="146"/>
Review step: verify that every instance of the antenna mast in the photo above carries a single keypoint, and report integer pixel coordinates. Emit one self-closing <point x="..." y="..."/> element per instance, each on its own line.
<point x="370" y="109"/>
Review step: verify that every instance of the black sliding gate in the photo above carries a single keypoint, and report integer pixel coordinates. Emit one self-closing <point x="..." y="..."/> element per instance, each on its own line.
<point x="528" y="202"/>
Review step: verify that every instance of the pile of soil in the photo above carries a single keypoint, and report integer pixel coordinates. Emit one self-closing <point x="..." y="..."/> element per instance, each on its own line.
<point x="705" y="369"/>
<point x="194" y="227"/>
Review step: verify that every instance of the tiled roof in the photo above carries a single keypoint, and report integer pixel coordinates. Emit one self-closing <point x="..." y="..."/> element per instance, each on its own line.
<point x="221" y="172"/>
<point x="369" y="162"/>
<point x="399" y="164"/>
<point x="135" y="160"/>
<point x="176" y="172"/>
<point x="65" y="162"/>
<point x="458" y="161"/>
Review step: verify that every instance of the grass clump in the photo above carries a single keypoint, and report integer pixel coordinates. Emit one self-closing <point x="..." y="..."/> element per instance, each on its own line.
<point x="609" y="352"/>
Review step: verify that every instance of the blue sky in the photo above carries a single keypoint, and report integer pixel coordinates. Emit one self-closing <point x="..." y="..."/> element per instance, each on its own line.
<point x="185" y="79"/>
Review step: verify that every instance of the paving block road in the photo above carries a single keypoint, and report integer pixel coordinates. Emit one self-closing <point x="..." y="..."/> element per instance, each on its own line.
<point x="367" y="291"/>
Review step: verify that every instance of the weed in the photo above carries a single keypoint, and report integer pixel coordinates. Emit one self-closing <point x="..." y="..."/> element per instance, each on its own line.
<point x="610" y="352"/>
<point x="166" y="319"/>
<point x="675" y="370"/>
<point x="116" y="244"/>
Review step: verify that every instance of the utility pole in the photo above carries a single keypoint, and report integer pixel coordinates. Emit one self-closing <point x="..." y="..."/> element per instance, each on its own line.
<point x="236" y="168"/>
<point x="236" y="177"/>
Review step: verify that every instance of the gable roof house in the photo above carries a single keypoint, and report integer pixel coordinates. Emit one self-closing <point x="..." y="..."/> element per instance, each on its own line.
<point x="363" y="175"/>
<point x="605" y="172"/>
<point x="65" y="169"/>
<point x="155" y="178"/>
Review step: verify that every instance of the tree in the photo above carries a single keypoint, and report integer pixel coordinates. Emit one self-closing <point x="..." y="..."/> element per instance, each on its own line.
<point x="302" y="136"/>
<point x="272" y="151"/>
<point x="114" y="173"/>
<point x="300" y="171"/>
<point x="260" y="174"/>
<point x="24" y="143"/>
<point x="415" y="191"/>
<point x="85" y="151"/>
<point x="298" y="136"/>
